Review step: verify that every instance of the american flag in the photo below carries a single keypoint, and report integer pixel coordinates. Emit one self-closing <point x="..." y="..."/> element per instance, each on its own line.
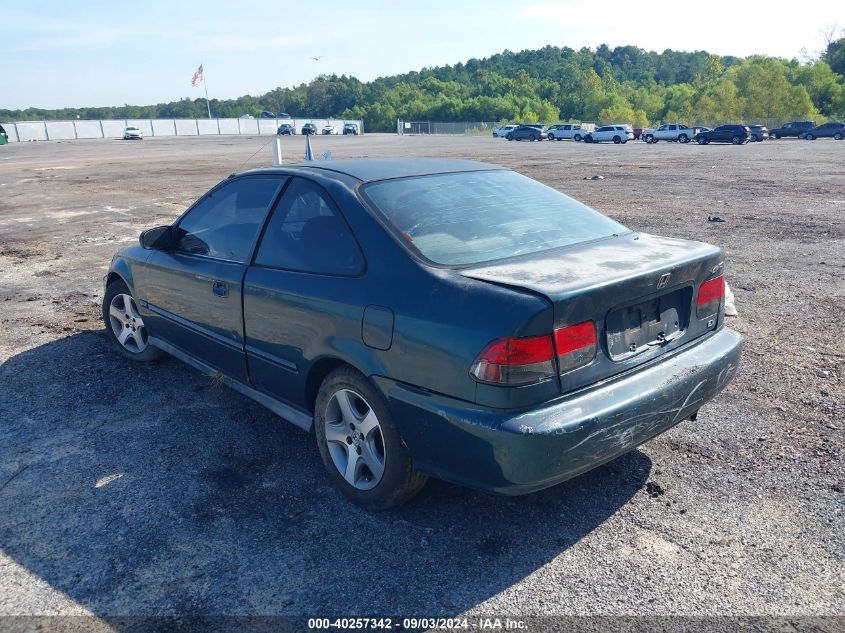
<point x="197" y="76"/>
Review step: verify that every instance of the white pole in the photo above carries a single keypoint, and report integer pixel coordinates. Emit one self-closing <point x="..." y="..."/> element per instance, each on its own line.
<point x="205" y="86"/>
<point x="277" y="152"/>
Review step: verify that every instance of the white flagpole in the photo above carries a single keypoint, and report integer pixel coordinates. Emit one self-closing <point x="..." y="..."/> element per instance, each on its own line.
<point x="205" y="85"/>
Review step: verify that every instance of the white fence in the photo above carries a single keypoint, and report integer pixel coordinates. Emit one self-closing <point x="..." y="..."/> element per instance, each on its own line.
<point x="23" y="131"/>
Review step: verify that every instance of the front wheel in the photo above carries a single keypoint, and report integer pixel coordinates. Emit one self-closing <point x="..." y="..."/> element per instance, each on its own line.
<point x="509" y="137"/>
<point x="532" y="138"/>
<point x="701" y="140"/>
<point x="838" y="136"/>
<point x="683" y="138"/>
<point x="617" y="140"/>
<point x="577" y="137"/>
<point x="551" y="137"/>
<point x="124" y="325"/>
<point x="360" y="445"/>
<point x="809" y="137"/>
<point x="776" y="136"/>
<point x="736" y="140"/>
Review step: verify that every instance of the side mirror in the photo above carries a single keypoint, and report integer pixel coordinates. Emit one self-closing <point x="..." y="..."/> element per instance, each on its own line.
<point x="159" y="239"/>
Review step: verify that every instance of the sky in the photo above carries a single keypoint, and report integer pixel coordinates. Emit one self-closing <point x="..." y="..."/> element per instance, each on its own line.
<point x="96" y="53"/>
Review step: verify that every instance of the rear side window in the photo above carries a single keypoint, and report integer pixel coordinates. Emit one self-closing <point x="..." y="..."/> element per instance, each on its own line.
<point x="306" y="233"/>
<point x="225" y="223"/>
<point x="473" y="217"/>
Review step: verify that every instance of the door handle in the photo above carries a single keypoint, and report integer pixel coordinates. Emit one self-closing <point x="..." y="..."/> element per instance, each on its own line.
<point x="220" y="288"/>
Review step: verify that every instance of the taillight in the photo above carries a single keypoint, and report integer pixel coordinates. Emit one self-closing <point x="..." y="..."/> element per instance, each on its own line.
<point x="575" y="345"/>
<point x="710" y="295"/>
<point x="515" y="361"/>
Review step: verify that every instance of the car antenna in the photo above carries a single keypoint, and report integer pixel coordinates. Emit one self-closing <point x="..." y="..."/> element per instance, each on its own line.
<point x="251" y="156"/>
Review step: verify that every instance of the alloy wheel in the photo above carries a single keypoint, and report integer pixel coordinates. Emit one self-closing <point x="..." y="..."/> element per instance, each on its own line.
<point x="354" y="438"/>
<point x="127" y="324"/>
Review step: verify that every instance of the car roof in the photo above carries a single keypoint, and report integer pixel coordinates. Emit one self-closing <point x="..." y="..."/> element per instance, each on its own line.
<point x="371" y="169"/>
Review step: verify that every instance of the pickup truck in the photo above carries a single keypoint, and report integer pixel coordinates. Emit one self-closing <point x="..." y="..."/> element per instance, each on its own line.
<point x="669" y="132"/>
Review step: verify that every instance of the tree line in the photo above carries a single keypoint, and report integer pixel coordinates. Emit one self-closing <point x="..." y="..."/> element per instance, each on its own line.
<point x="622" y="84"/>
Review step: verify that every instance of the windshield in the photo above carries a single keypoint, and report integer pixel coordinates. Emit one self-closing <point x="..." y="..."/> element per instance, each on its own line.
<point x="473" y="217"/>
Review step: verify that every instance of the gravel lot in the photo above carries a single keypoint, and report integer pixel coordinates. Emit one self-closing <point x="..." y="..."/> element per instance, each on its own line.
<point x="141" y="490"/>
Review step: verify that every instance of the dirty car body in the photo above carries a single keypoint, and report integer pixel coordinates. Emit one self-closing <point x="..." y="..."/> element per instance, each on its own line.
<point x="512" y="352"/>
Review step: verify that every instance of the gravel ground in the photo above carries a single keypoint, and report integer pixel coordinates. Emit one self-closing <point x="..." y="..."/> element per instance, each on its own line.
<point x="143" y="490"/>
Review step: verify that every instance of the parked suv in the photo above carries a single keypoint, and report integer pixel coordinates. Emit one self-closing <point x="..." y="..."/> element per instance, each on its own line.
<point x="573" y="131"/>
<point x="669" y="132"/>
<point x="350" y="128"/>
<point x="309" y="128"/>
<point x="286" y="128"/>
<point x="758" y="133"/>
<point x="793" y="128"/>
<point x="502" y="132"/>
<point x="736" y="134"/>
<point x="616" y="133"/>
<point x="834" y="129"/>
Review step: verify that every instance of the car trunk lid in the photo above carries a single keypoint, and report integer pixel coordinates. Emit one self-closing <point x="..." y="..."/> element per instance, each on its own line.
<point x="638" y="289"/>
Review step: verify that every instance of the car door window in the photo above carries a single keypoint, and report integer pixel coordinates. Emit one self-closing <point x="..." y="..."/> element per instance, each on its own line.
<point x="225" y="223"/>
<point x="306" y="233"/>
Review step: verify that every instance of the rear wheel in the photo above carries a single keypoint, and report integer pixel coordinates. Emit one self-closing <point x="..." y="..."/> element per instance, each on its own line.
<point x="736" y="140"/>
<point x="810" y="137"/>
<point x="577" y="137"/>
<point x="124" y="324"/>
<point x="838" y="136"/>
<point x="683" y="138"/>
<point x="617" y="140"/>
<point x="532" y="137"/>
<point x="551" y="137"/>
<point x="509" y="137"/>
<point x="776" y="136"/>
<point x="360" y="445"/>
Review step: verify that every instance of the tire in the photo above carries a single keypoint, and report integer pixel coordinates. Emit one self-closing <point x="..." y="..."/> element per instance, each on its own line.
<point x="701" y="140"/>
<point x="577" y="137"/>
<point x="122" y="320"/>
<point x="509" y="136"/>
<point x="775" y="136"/>
<point x="588" y="139"/>
<point x="683" y="138"/>
<point x="551" y="137"/>
<point x="809" y="137"/>
<point x="532" y="137"/>
<point x="838" y="136"/>
<point x="754" y="139"/>
<point x="617" y="140"/>
<point x="624" y="140"/>
<point x="736" y="140"/>
<point x="348" y="404"/>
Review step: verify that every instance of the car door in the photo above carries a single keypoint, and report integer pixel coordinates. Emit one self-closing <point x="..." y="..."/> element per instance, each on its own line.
<point x="304" y="292"/>
<point x="193" y="290"/>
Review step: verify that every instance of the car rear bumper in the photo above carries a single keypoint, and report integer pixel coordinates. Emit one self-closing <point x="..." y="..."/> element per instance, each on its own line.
<point x="520" y="452"/>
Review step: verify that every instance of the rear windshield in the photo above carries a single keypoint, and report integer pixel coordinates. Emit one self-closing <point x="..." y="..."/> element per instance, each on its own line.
<point x="473" y="217"/>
